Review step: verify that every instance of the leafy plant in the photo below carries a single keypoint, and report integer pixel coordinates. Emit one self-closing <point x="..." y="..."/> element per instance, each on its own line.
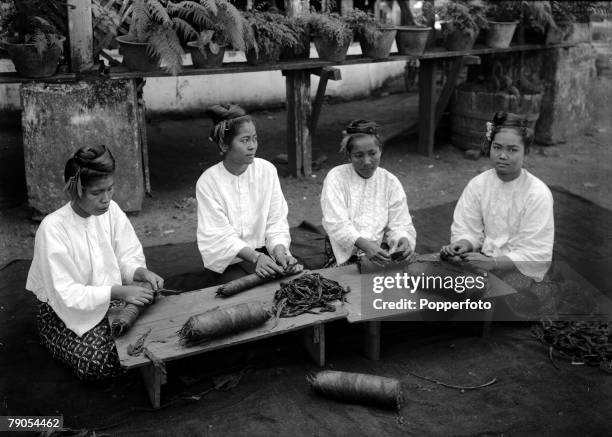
<point x="504" y="11"/>
<point x="299" y="27"/>
<point x="580" y="11"/>
<point x="366" y="25"/>
<point x="7" y="14"/>
<point x="332" y="27"/>
<point x="467" y="17"/>
<point x="23" y="28"/>
<point x="536" y="15"/>
<point x="165" y="25"/>
<point x="229" y="28"/>
<point x="270" y="31"/>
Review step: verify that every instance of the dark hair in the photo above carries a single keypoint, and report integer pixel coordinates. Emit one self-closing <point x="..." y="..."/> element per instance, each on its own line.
<point x="227" y="118"/>
<point x="507" y="120"/>
<point x="87" y="164"/>
<point x="359" y="129"/>
<point x="90" y="162"/>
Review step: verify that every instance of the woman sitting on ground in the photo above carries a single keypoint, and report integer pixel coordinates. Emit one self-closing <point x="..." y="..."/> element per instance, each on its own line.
<point x="364" y="206"/>
<point x="83" y="253"/>
<point x="503" y="221"/>
<point x="242" y="213"/>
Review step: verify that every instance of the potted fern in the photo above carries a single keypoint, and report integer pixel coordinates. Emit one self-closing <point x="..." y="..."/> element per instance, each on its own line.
<point x="152" y="38"/>
<point x="212" y="37"/>
<point x="412" y="40"/>
<point x="374" y="36"/>
<point x="160" y="28"/>
<point x="535" y="22"/>
<point x="33" y="43"/>
<point x="270" y="36"/>
<point x="461" y="21"/>
<point x="332" y="35"/>
<point x="503" y="17"/>
<point x="300" y="29"/>
<point x="575" y="18"/>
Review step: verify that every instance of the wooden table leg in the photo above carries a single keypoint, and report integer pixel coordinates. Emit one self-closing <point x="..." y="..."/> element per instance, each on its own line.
<point x="313" y="340"/>
<point x="153" y="378"/>
<point x="371" y="345"/>
<point x="487" y="322"/>
<point x="299" y="140"/>
<point x="427" y="106"/>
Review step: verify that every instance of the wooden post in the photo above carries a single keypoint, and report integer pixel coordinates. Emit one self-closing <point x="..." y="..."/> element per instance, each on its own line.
<point x="153" y="378"/>
<point x="295" y="8"/>
<point x="371" y="345"/>
<point x="325" y="75"/>
<point x="299" y="141"/>
<point x="313" y="340"/>
<point x="427" y="106"/>
<point x="80" y="34"/>
<point x="487" y="321"/>
<point x="345" y="6"/>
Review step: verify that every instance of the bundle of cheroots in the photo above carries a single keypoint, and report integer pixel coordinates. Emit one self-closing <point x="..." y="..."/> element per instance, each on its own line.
<point x="305" y="294"/>
<point x="123" y="318"/>
<point x="249" y="281"/>
<point x="220" y="322"/>
<point x="358" y="388"/>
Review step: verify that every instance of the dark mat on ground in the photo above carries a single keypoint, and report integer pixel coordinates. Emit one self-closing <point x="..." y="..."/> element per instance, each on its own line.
<point x="272" y="396"/>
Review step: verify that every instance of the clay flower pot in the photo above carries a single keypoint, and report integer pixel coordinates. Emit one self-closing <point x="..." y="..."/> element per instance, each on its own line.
<point x="29" y="63"/>
<point x="210" y="60"/>
<point x="412" y="40"/>
<point x="135" y="56"/>
<point x="499" y="34"/>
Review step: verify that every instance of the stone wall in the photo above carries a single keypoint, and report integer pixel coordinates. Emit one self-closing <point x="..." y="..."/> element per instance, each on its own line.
<point x="57" y="119"/>
<point x="565" y="76"/>
<point x="568" y="75"/>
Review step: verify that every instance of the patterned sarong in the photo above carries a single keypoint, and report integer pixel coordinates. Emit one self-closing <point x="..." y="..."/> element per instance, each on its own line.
<point x="91" y="357"/>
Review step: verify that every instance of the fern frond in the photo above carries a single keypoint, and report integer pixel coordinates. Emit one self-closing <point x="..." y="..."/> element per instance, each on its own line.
<point x="193" y="10"/>
<point x="164" y="43"/>
<point x="158" y="12"/>
<point x="210" y="4"/>
<point x="184" y="29"/>
<point x="140" y="21"/>
<point x="231" y="22"/>
<point x="40" y="41"/>
<point x="195" y="13"/>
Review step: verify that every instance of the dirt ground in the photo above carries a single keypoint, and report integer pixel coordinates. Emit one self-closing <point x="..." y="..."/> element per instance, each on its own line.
<point x="179" y="151"/>
<point x="529" y="396"/>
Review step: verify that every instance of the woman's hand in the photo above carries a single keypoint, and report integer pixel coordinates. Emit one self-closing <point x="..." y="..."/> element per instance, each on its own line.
<point x="479" y="261"/>
<point x="373" y="251"/>
<point x="266" y="267"/>
<point x="282" y="258"/>
<point x="143" y="275"/>
<point x="455" y="249"/>
<point x="133" y="294"/>
<point x="403" y="251"/>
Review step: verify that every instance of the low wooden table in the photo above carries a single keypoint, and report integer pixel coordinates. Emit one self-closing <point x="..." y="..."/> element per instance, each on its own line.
<point x="495" y="289"/>
<point x="170" y="313"/>
<point x="166" y="317"/>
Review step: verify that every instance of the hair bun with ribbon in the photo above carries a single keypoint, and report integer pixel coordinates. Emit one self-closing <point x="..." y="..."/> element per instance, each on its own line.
<point x="362" y="127"/>
<point x="224" y="112"/>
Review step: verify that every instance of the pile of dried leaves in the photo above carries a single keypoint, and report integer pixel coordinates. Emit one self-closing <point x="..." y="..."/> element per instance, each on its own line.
<point x="305" y="294"/>
<point x="582" y="342"/>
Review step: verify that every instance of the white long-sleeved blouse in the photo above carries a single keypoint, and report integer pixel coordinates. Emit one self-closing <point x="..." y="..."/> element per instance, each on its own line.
<point x="512" y="218"/>
<point x="374" y="209"/>
<point x="234" y="212"/>
<point x="77" y="260"/>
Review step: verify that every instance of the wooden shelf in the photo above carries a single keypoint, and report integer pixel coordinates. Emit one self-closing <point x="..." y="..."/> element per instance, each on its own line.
<point x="121" y="72"/>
